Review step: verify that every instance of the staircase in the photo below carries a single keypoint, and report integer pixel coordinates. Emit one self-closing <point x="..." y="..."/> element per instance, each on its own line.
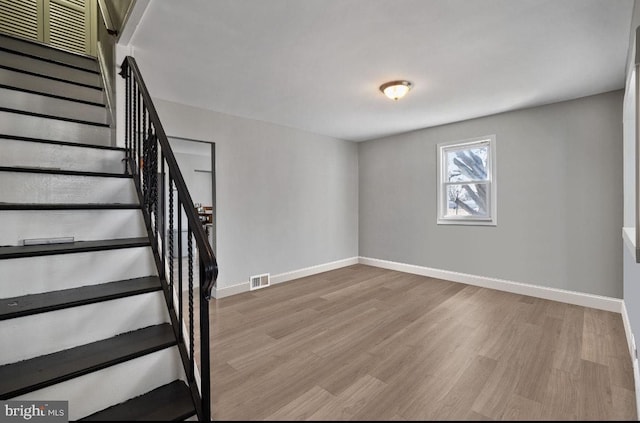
<point x="85" y="314"/>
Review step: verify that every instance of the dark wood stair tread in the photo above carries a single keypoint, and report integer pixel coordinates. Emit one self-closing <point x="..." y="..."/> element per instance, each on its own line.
<point x="48" y="53"/>
<point x="50" y="95"/>
<point x="56" y="300"/>
<point x="65" y="143"/>
<point x="171" y="402"/>
<point x="72" y="247"/>
<point x="69" y="206"/>
<point x="55" y="171"/>
<point x="42" y="57"/>
<point x="53" y="78"/>
<point x="46" y="116"/>
<point x="39" y="372"/>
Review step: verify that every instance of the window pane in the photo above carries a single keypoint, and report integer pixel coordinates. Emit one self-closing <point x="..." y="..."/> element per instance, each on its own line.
<point x="468" y="164"/>
<point x="467" y="200"/>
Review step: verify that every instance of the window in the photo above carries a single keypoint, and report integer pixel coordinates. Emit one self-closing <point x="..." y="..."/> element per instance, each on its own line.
<point x="466" y="182"/>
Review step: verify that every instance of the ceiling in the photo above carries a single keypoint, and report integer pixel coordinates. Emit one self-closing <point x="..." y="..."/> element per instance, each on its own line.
<point x="316" y="65"/>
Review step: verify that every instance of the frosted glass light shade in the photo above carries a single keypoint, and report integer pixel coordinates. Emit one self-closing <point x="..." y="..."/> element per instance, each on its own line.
<point x="396" y="89"/>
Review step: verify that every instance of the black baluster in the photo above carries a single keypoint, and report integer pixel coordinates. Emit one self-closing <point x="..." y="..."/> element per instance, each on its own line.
<point x="179" y="211"/>
<point x="154" y="183"/>
<point x="205" y="374"/>
<point x="171" y="240"/>
<point x="130" y="120"/>
<point x="191" y="332"/>
<point x="134" y="128"/>
<point x="145" y="163"/>
<point x="163" y="207"/>
<point x="139" y="129"/>
<point x="125" y="73"/>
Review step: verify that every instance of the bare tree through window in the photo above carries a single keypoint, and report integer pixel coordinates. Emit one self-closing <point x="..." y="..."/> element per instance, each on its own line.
<point x="466" y="180"/>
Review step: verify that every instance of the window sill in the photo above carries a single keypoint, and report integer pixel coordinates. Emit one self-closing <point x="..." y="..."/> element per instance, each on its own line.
<point x="469" y="222"/>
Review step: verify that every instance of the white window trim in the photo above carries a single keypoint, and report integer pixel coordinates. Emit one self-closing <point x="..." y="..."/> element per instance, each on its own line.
<point x="492" y="219"/>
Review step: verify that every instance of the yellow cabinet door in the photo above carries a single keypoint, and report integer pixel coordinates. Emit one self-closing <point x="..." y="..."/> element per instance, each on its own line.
<point x="66" y="24"/>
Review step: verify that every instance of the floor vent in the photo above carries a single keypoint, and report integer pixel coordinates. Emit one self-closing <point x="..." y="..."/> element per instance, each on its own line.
<point x="259" y="281"/>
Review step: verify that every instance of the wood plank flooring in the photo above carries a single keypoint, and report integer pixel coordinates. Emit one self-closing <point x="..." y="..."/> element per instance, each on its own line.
<point x="363" y="343"/>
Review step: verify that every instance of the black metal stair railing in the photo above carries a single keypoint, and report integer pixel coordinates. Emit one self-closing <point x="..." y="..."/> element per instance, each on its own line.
<point x="168" y="211"/>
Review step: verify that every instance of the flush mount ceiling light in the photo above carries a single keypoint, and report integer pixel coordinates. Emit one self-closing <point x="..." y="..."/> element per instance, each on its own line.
<point x="396" y="89"/>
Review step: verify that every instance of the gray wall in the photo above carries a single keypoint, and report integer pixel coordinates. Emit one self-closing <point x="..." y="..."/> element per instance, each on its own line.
<point x="631" y="268"/>
<point x="629" y="128"/>
<point x="559" y="173"/>
<point x="286" y="199"/>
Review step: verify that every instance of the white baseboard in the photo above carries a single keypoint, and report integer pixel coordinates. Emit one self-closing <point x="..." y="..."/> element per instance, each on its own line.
<point x="627" y="330"/>
<point x="631" y="343"/>
<point x="313" y="270"/>
<point x="572" y="297"/>
<point x="228" y="291"/>
<point x="286" y="276"/>
<point x="636" y="378"/>
<point x="554" y="294"/>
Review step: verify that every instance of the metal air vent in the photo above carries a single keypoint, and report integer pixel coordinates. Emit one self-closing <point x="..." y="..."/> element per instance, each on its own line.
<point x="259" y="281"/>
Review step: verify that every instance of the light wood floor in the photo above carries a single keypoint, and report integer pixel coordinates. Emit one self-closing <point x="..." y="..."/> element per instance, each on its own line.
<point x="364" y="343"/>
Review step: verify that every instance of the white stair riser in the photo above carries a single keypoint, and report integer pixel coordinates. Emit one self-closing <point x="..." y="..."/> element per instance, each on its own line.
<point x="101" y="389"/>
<point x="63" y="329"/>
<point x="18" y="187"/>
<point x="53" y="129"/>
<point x="41" y="67"/>
<point x="36" y="103"/>
<point x="82" y="225"/>
<point x="48" y="53"/>
<point x="50" y="86"/>
<point x="33" y="275"/>
<point x="32" y="154"/>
